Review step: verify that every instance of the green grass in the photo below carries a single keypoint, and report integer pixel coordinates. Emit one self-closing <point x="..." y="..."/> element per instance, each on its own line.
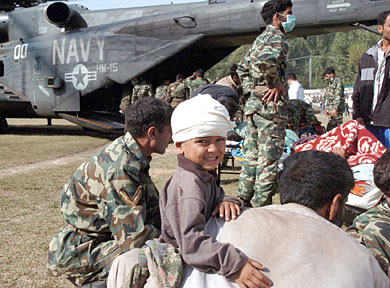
<point x="30" y="217"/>
<point x="31" y="142"/>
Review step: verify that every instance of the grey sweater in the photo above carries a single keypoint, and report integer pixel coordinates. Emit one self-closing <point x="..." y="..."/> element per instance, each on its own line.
<point x="186" y="203"/>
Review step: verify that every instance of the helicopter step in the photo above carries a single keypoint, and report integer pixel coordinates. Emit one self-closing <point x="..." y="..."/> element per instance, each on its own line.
<point x="13" y="103"/>
<point x="102" y="121"/>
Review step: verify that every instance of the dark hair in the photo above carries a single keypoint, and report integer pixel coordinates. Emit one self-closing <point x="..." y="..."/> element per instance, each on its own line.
<point x="382" y="173"/>
<point x="230" y="105"/>
<point x="233" y="67"/>
<point x="217" y="91"/>
<point x="199" y="73"/>
<point x="292" y="76"/>
<point x="382" y="17"/>
<point x="312" y="178"/>
<point x="145" y="113"/>
<point x="272" y="7"/>
<point x="233" y="73"/>
<point x="329" y="70"/>
<point x="179" y="76"/>
<point x="233" y="70"/>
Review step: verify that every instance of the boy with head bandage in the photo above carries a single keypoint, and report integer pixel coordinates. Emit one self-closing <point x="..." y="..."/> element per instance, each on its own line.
<point x="191" y="196"/>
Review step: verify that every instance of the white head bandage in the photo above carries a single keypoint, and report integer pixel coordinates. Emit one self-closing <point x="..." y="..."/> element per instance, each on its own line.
<point x="200" y="116"/>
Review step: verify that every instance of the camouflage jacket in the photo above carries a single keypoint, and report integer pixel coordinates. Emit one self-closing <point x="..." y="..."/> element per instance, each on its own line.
<point x="265" y="62"/>
<point x="334" y="94"/>
<point x="142" y="90"/>
<point x="112" y="194"/>
<point x="125" y="103"/>
<point x="161" y="92"/>
<point x="176" y="90"/>
<point x="300" y="112"/>
<point x="368" y="229"/>
<point x="264" y="66"/>
<point x="193" y="84"/>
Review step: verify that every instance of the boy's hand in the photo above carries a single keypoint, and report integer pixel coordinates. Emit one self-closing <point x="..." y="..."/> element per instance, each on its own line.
<point x="227" y="209"/>
<point x="250" y="277"/>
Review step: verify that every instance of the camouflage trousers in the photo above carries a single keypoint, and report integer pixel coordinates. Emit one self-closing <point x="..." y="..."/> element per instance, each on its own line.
<point x="334" y="121"/>
<point x="294" y="126"/>
<point x="79" y="257"/>
<point x="175" y="102"/>
<point x="372" y="229"/>
<point x="263" y="146"/>
<point x="159" y="260"/>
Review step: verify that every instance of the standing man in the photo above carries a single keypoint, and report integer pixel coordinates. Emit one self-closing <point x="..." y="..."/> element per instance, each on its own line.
<point x="371" y="93"/>
<point x="141" y="90"/>
<point x="177" y="91"/>
<point x="162" y="90"/>
<point x="195" y="81"/>
<point x="335" y="103"/>
<point x="127" y="92"/>
<point x="110" y="203"/>
<point x="295" y="89"/>
<point x="262" y="73"/>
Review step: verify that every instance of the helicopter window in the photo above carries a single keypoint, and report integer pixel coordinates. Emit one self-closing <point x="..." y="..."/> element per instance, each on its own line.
<point x="1" y="68"/>
<point x="37" y="65"/>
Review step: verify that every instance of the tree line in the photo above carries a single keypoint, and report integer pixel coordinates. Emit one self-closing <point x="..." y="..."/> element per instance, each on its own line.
<point x="341" y="50"/>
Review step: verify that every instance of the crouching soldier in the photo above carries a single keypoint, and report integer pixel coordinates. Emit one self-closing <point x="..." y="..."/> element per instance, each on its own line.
<point x="110" y="203"/>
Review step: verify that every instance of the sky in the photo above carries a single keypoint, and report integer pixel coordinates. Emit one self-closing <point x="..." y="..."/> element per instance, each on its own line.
<point x="108" y="4"/>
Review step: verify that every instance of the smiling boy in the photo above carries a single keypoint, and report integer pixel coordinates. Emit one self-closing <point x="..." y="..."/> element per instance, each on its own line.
<point x="191" y="196"/>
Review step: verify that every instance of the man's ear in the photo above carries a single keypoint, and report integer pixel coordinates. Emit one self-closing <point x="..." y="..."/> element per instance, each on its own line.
<point x="276" y="20"/>
<point x="151" y="133"/>
<point x="334" y="207"/>
<point x="179" y="148"/>
<point x="380" y="28"/>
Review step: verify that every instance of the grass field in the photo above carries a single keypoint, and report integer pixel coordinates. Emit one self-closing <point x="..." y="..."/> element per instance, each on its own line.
<point x="29" y="206"/>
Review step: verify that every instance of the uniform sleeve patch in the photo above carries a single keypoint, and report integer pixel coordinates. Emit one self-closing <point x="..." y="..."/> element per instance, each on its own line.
<point x="133" y="201"/>
<point x="367" y="74"/>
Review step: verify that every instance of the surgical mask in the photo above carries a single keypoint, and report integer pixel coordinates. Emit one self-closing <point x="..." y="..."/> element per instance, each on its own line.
<point x="331" y="79"/>
<point x="289" y="25"/>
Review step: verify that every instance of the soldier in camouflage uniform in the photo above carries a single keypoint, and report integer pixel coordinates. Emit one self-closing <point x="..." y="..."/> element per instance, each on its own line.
<point x="110" y="203"/>
<point x="372" y="228"/>
<point x="162" y="90"/>
<point x="141" y="90"/>
<point x="177" y="91"/>
<point x="299" y="112"/>
<point x="335" y="103"/>
<point x="262" y="74"/>
<point x="126" y="97"/>
<point x="195" y="81"/>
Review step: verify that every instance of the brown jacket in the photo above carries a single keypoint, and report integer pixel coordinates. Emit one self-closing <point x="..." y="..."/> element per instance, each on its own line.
<point x="186" y="203"/>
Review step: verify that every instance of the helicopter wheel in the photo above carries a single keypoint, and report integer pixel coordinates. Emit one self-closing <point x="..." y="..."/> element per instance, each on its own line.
<point x="3" y="125"/>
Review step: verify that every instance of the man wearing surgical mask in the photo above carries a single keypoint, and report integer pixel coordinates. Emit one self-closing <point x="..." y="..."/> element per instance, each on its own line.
<point x="262" y="73"/>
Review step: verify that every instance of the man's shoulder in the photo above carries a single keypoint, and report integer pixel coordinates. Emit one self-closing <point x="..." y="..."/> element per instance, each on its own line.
<point x="294" y="215"/>
<point x="110" y="156"/>
<point x="273" y="34"/>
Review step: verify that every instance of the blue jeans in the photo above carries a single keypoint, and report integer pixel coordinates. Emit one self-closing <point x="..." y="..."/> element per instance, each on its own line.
<point x="381" y="133"/>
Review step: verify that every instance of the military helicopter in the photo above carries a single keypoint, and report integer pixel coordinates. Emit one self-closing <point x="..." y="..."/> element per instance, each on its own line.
<point x="61" y="60"/>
